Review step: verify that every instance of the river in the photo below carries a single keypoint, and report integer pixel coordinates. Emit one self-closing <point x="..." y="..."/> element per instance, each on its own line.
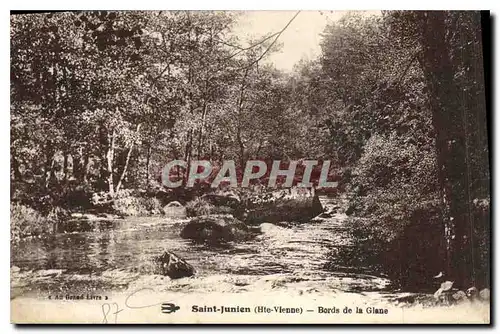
<point x="118" y="257"/>
<point x="289" y="263"/>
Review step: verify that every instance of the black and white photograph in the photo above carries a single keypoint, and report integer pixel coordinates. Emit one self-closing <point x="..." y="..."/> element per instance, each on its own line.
<point x="257" y="167"/>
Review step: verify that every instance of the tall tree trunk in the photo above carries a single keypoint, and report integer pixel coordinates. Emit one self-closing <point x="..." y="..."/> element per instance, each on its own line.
<point x="49" y="163"/>
<point x="102" y="181"/>
<point x="202" y="128"/>
<point x="241" y="146"/>
<point x="448" y="121"/>
<point x="211" y="150"/>
<point x="109" y="158"/>
<point x="187" y="155"/>
<point x="125" y="168"/>
<point x="241" y="100"/>
<point x="148" y="158"/>
<point x="77" y="164"/>
<point x="65" y="167"/>
<point x="127" y="161"/>
<point x="86" y="167"/>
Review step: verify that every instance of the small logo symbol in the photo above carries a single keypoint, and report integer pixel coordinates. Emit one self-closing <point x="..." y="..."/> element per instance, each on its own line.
<point x="169" y="308"/>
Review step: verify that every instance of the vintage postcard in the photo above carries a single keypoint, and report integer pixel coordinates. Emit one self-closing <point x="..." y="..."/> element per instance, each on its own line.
<point x="257" y="167"/>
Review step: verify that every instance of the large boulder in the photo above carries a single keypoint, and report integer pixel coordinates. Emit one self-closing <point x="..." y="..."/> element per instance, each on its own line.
<point x="216" y="229"/>
<point x="173" y="266"/>
<point x="290" y="205"/>
<point x="174" y="209"/>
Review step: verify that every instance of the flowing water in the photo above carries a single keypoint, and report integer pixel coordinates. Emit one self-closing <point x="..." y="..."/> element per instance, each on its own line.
<point x="118" y="256"/>
<point x="284" y="264"/>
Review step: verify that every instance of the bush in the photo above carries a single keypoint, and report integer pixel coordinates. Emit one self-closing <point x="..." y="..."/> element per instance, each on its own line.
<point x="396" y="207"/>
<point x="35" y="195"/>
<point x="391" y="180"/>
<point x="222" y="210"/>
<point x="128" y="206"/>
<point x="408" y="251"/>
<point x="129" y="203"/>
<point x="199" y="207"/>
<point x="25" y="221"/>
<point x="152" y="205"/>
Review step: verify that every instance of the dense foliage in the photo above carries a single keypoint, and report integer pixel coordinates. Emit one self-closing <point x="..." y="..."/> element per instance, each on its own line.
<point x="101" y="101"/>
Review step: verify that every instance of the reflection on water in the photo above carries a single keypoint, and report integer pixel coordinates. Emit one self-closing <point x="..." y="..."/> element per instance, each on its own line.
<point x="300" y="252"/>
<point x="124" y="245"/>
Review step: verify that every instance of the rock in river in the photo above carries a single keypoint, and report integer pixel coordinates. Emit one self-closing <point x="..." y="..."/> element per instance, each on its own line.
<point x="174" y="209"/>
<point x="216" y="229"/>
<point x="290" y="205"/>
<point x="173" y="266"/>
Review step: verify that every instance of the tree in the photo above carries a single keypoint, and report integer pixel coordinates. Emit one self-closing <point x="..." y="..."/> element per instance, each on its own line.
<point x="449" y="54"/>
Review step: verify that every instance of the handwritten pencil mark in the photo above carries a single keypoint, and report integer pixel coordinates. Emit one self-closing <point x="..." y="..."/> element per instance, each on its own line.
<point x="140" y="306"/>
